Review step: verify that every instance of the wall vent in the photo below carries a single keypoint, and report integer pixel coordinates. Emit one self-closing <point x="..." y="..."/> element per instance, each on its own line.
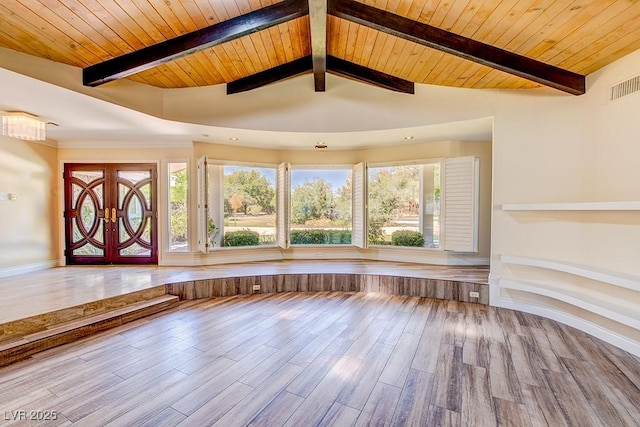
<point x="624" y="88"/>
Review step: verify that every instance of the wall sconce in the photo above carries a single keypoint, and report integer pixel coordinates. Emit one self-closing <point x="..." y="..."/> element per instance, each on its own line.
<point x="17" y="124"/>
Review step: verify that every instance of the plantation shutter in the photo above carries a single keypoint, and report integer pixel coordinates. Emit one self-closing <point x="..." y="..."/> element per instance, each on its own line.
<point x="460" y="204"/>
<point x="359" y="210"/>
<point x="203" y="205"/>
<point x="282" y="205"/>
<point x="215" y="200"/>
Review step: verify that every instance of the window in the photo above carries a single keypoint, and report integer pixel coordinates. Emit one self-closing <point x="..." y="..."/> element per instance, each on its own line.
<point x="363" y="205"/>
<point x="320" y="210"/>
<point x="178" y="206"/>
<point x="241" y="205"/>
<point x="404" y="204"/>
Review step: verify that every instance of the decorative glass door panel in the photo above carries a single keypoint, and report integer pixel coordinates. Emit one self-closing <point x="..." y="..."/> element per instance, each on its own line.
<point x="110" y="213"/>
<point x="135" y="212"/>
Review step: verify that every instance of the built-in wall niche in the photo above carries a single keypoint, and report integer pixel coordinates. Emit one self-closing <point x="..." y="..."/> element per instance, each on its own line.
<point x="607" y="294"/>
<point x="609" y="301"/>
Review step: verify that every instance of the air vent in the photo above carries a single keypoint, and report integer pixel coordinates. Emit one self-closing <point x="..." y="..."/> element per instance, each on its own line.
<point x="625" y="88"/>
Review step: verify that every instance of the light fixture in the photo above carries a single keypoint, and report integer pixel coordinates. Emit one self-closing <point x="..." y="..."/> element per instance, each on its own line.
<point x="17" y="124"/>
<point x="408" y="137"/>
<point x="320" y="145"/>
<point x="234" y="138"/>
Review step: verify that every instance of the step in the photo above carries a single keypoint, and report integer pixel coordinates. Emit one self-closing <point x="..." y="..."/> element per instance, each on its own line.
<point x="22" y="347"/>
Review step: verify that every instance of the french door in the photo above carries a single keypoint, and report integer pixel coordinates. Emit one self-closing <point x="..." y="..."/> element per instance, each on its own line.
<point x="110" y="214"/>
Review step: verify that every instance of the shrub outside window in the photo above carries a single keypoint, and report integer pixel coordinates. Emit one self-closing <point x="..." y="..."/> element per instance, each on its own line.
<point x="320" y="207"/>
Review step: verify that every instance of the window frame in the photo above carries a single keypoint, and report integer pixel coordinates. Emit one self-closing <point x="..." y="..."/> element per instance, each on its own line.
<point x="167" y="220"/>
<point x="223" y="163"/>
<point x="315" y="166"/>
<point x="413" y="162"/>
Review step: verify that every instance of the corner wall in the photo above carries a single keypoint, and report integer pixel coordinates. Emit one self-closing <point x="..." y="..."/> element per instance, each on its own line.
<point x="28" y="231"/>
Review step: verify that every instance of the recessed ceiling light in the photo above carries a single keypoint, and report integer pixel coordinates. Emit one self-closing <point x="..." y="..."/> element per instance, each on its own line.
<point x="408" y="137"/>
<point x="234" y="138"/>
<point x="320" y="145"/>
<point x="206" y="135"/>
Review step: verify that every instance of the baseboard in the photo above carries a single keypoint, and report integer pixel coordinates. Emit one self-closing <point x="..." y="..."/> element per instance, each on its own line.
<point x="28" y="268"/>
<point x="591" y="328"/>
<point x="494" y="289"/>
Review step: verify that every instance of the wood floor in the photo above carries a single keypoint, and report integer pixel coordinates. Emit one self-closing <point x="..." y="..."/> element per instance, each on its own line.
<point x="63" y="287"/>
<point x="333" y="358"/>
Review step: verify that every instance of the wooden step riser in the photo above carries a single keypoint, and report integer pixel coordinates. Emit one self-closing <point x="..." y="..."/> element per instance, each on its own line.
<point x="42" y="322"/>
<point x="455" y="290"/>
<point x="24" y="350"/>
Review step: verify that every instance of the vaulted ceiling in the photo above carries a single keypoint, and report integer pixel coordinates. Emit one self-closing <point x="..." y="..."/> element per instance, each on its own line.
<point x="390" y="43"/>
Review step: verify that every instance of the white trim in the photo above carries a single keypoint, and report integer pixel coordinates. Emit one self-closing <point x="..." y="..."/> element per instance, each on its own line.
<point x="219" y="162"/>
<point x="124" y="144"/>
<point x="315" y="166"/>
<point x="494" y="289"/>
<point x="623" y="281"/>
<point x="182" y="259"/>
<point x="416" y="162"/>
<point x="315" y="252"/>
<point x="568" y="298"/>
<point x="422" y="256"/>
<point x="247" y="254"/>
<point x="582" y="206"/>
<point x="591" y="328"/>
<point x="165" y="214"/>
<point x="28" y="268"/>
<point x="359" y="214"/>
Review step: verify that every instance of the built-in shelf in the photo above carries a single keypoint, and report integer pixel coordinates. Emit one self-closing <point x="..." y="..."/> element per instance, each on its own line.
<point x="621" y="280"/>
<point x="582" y="206"/>
<point x="577" y="297"/>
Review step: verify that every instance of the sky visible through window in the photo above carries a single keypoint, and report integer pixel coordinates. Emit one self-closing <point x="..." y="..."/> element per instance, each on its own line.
<point x="336" y="177"/>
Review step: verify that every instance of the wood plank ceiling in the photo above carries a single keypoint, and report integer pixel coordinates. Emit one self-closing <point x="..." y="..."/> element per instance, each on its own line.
<point x="580" y="36"/>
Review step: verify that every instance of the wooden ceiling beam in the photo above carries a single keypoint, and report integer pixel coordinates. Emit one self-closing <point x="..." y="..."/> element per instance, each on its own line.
<point x="272" y="75"/>
<point x="458" y="45"/>
<point x="318" y="27"/>
<point x="334" y="65"/>
<point x="367" y="75"/>
<point x="186" y="44"/>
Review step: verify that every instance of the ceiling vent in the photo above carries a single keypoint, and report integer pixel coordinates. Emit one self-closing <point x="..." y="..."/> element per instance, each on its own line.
<point x="624" y="88"/>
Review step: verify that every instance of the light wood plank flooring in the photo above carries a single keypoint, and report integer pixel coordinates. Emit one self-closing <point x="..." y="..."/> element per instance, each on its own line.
<point x="63" y="287"/>
<point x="319" y="359"/>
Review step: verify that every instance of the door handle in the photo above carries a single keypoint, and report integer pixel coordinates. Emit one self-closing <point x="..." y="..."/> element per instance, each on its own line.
<point x="106" y="215"/>
<point x="113" y="214"/>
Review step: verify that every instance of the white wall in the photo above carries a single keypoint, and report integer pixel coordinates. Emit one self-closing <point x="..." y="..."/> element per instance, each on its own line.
<point x="29" y="235"/>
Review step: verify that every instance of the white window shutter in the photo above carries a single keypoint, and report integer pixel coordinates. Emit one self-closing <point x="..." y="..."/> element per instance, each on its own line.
<point x="203" y="205"/>
<point x="215" y="201"/>
<point x="282" y="206"/>
<point x="460" y="204"/>
<point x="359" y="211"/>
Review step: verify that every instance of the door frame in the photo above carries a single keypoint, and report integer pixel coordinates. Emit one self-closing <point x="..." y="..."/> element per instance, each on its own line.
<point x="159" y="199"/>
